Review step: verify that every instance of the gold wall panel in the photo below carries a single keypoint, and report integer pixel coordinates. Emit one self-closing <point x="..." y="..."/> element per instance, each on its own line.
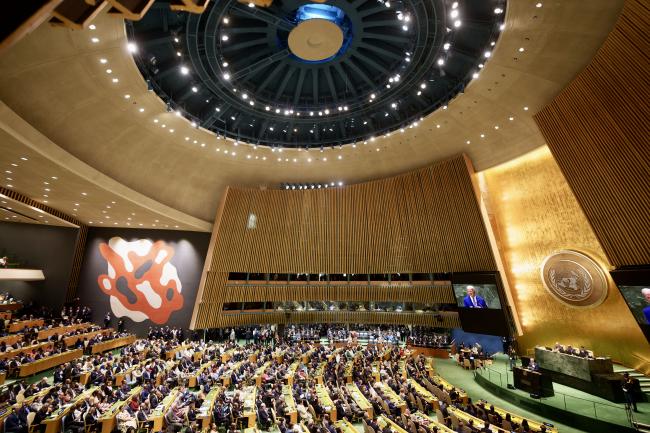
<point x="423" y="221"/>
<point x="598" y="129"/>
<point x="535" y="213"/>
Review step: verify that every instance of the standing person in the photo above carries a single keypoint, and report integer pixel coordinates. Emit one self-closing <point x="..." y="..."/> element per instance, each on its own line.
<point x="232" y="335"/>
<point x="107" y="320"/>
<point x="120" y="325"/>
<point x="628" y="391"/>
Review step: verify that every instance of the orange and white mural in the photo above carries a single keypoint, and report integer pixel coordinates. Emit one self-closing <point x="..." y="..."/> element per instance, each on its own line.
<point x="141" y="281"/>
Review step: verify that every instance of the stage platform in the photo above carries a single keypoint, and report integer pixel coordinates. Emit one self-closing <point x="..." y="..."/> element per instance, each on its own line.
<point x="580" y="410"/>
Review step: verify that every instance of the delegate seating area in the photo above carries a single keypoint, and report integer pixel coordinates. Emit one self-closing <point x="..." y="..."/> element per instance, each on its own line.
<point x="30" y="345"/>
<point x="163" y="384"/>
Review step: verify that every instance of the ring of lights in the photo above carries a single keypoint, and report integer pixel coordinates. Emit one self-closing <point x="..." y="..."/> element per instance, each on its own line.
<point x="245" y="78"/>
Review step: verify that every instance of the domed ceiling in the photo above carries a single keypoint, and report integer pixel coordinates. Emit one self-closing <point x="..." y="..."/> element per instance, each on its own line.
<point x="77" y="106"/>
<point x="301" y="74"/>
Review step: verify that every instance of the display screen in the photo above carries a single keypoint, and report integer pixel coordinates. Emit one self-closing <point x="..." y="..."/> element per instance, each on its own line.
<point x="477" y="296"/>
<point x="634" y="285"/>
<point x="638" y="299"/>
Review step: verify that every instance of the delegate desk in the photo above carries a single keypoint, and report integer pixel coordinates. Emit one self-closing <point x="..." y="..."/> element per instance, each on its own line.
<point x="534" y="425"/>
<point x="47" y="346"/>
<point x="22" y="324"/>
<point x="383" y="421"/>
<point x="112" y="344"/>
<point x="158" y="415"/>
<point x="289" y="404"/>
<point x="11" y="306"/>
<point x="72" y="340"/>
<point x="388" y="393"/>
<point x="345" y="426"/>
<point x="448" y="387"/>
<point x="424" y="393"/>
<point x="425" y="420"/>
<point x="108" y="419"/>
<point x="458" y="415"/>
<point x="572" y="365"/>
<point x="53" y="423"/>
<point x="205" y="411"/>
<point x="533" y="382"/>
<point x="249" y="411"/>
<point x="325" y="400"/>
<point x="49" y="362"/>
<point x="60" y="330"/>
<point x="359" y="398"/>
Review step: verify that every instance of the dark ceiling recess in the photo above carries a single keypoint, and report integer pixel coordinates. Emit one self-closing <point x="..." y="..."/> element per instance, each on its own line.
<point x="231" y="70"/>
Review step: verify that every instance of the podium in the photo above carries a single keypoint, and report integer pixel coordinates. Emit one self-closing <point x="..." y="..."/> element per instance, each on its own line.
<point x="533" y="382"/>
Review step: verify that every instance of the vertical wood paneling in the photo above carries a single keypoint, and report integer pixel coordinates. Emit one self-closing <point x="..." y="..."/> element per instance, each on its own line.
<point x="424" y="221"/>
<point x="598" y="130"/>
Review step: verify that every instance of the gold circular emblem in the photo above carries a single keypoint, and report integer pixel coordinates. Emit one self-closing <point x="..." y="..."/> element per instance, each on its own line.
<point x="574" y="279"/>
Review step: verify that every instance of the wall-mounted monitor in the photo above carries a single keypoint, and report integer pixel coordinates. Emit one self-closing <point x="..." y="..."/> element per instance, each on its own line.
<point x="480" y="302"/>
<point x="634" y="285"/>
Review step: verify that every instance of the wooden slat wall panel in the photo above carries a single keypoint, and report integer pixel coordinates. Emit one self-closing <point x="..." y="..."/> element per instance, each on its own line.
<point x="598" y="130"/>
<point x="424" y="221"/>
<point x="444" y="320"/>
<point x="278" y="293"/>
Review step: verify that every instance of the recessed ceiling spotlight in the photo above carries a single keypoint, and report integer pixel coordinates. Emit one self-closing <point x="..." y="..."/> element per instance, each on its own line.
<point x="502" y="27"/>
<point x="446" y="46"/>
<point x="487" y="54"/>
<point x="103" y="61"/>
<point x="498" y="11"/>
<point x="521" y="49"/>
<point x="525" y="108"/>
<point x="441" y="62"/>
<point x="92" y="27"/>
<point x="454" y="13"/>
<point x="226" y="76"/>
<point x="224" y="37"/>
<point x="94" y="40"/>
<point x="132" y="47"/>
<point x="511" y="118"/>
<point x="185" y="70"/>
<point x="226" y="20"/>
<point x="475" y="75"/>
<point x="109" y="71"/>
<point x="538" y="5"/>
<point x="457" y="23"/>
<point x="127" y="96"/>
<point x="116" y="80"/>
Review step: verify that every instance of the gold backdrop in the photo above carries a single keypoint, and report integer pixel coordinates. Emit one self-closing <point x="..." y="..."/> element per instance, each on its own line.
<point x="535" y="214"/>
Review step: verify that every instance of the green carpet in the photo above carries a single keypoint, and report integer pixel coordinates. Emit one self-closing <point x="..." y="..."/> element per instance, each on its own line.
<point x="576" y="401"/>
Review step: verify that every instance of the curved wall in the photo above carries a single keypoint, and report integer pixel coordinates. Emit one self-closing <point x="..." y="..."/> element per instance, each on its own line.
<point x="426" y="221"/>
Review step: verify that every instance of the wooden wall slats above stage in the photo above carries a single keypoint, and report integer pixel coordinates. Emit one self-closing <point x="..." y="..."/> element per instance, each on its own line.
<point x="426" y="221"/>
<point x="444" y="320"/>
<point x="296" y="292"/>
<point x="598" y="130"/>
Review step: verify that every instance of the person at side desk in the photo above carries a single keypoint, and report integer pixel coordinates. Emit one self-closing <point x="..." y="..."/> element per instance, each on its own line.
<point x="472" y="300"/>
<point x="533" y="365"/>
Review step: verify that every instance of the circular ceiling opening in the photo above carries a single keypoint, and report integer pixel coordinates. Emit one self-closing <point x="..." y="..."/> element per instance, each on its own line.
<point x="322" y="32"/>
<point x="301" y="74"/>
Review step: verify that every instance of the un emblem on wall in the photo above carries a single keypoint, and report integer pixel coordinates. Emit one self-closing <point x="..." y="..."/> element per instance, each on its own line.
<point x="574" y="279"/>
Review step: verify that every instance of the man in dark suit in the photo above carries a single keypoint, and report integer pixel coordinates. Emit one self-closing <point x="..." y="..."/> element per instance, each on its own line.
<point x="472" y="300"/>
<point x="14" y="425"/>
